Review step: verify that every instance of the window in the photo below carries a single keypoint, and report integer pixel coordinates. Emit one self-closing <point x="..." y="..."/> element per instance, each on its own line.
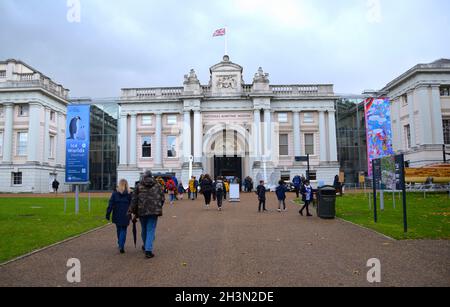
<point x="446" y="125"/>
<point x="23" y="110"/>
<point x="52" y="116"/>
<point x="445" y="91"/>
<point x="407" y="131"/>
<point x="308" y="118"/>
<point x="282" y="117"/>
<point x="51" y="147"/>
<point x="1" y="111"/>
<point x="146" y="147"/>
<point x="146" y="120"/>
<point x="171" y="119"/>
<point x="309" y="144"/>
<point x="22" y="142"/>
<point x="1" y="143"/>
<point x="284" y="145"/>
<point x="16" y="178"/>
<point x="404" y="100"/>
<point x="171" y="147"/>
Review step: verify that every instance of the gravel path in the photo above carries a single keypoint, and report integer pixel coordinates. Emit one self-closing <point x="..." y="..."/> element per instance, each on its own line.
<point x="239" y="247"/>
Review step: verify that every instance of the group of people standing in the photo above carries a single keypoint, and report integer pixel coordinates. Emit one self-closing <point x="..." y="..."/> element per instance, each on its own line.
<point x="216" y="190"/>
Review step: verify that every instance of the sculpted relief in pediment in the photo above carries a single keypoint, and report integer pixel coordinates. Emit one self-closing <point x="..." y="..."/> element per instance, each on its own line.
<point x="227" y="82"/>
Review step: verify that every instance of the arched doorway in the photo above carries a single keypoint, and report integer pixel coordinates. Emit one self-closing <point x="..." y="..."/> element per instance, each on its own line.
<point x="226" y="150"/>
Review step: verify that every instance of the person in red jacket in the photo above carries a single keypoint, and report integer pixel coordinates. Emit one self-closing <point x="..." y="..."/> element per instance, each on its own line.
<point x="171" y="189"/>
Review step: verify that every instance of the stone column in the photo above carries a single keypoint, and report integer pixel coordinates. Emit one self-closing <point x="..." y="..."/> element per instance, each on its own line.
<point x="198" y="137"/>
<point x="412" y="122"/>
<point x="436" y="114"/>
<point x="424" y="104"/>
<point x="33" y="133"/>
<point x="187" y="135"/>
<point x="60" y="142"/>
<point x="332" y="139"/>
<point x="257" y="134"/>
<point x="46" y="135"/>
<point x="158" y="141"/>
<point x="268" y="135"/>
<point x="133" y="140"/>
<point x="8" y="134"/>
<point x="323" y="137"/>
<point x="123" y="139"/>
<point x="297" y="135"/>
<point x="398" y="128"/>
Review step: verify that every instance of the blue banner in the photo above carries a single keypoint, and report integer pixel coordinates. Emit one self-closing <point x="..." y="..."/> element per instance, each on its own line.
<point x="77" y="144"/>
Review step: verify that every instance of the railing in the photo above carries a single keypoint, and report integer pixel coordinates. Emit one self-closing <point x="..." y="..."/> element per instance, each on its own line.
<point x="277" y="90"/>
<point x="41" y="83"/>
<point x="2" y="73"/>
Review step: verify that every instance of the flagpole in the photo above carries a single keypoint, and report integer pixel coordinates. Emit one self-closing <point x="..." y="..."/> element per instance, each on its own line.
<point x="226" y="40"/>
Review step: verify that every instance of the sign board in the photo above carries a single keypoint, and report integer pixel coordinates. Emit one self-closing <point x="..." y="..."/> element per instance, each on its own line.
<point x="77" y="144"/>
<point x="301" y="159"/>
<point x="377" y="174"/>
<point x="400" y="172"/>
<point x="234" y="193"/>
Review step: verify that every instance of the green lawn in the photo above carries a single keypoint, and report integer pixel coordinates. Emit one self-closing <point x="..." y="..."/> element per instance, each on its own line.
<point x="427" y="218"/>
<point x="27" y="224"/>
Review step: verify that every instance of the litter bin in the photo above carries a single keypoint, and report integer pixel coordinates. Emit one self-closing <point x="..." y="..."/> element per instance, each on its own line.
<point x="326" y="208"/>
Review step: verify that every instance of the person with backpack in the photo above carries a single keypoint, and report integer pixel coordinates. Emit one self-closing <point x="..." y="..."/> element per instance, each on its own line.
<point x="119" y="204"/>
<point x="147" y="205"/>
<point x="297" y="182"/>
<point x="220" y="188"/>
<point x="261" y="192"/>
<point x="307" y="198"/>
<point x="206" y="187"/>
<point x="171" y="190"/>
<point x="281" y="195"/>
<point x="181" y="191"/>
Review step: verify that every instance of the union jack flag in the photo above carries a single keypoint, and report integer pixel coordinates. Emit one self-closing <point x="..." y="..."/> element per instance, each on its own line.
<point x="220" y="32"/>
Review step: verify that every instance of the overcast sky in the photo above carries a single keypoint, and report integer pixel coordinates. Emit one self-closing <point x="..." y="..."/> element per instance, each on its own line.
<point x="354" y="44"/>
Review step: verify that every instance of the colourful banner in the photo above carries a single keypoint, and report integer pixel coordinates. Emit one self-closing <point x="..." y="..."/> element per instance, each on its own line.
<point x="77" y="144"/>
<point x="379" y="130"/>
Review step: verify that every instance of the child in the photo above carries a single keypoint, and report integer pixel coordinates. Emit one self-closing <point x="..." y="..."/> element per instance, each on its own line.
<point x="181" y="191"/>
<point x="307" y="197"/>
<point x="118" y="205"/>
<point x="171" y="189"/>
<point x="261" y="192"/>
<point x="281" y="195"/>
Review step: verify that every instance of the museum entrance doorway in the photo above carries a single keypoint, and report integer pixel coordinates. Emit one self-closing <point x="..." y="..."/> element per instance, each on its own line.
<point x="228" y="167"/>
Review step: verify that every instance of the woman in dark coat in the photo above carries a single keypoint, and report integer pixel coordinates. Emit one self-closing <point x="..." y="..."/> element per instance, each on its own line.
<point x="119" y="204"/>
<point x="206" y="188"/>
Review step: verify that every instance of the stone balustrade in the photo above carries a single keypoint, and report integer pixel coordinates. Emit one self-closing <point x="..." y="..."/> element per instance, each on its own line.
<point x="277" y="91"/>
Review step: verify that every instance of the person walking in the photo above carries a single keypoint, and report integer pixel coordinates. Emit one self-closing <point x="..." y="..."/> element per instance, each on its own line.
<point x="181" y="191"/>
<point x="192" y="188"/>
<point x="281" y="195"/>
<point x="220" y="189"/>
<point x="261" y="192"/>
<point x="297" y="182"/>
<point x="171" y="190"/>
<point x="226" y="190"/>
<point x="196" y="185"/>
<point x="147" y="204"/>
<point x="307" y="197"/>
<point x="214" y="194"/>
<point x="55" y="186"/>
<point x="119" y="204"/>
<point x="206" y="187"/>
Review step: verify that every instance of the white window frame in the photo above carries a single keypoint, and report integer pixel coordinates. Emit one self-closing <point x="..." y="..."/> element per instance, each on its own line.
<point x="308" y="118"/>
<point x="176" y="146"/>
<point x="13" y="179"/>
<point x="18" y="153"/>
<point x="283" y="118"/>
<point x="313" y="143"/>
<point x="146" y="120"/>
<point x="21" y="108"/>
<point x="51" y="146"/>
<point x="170" y="120"/>
<point x="142" y="146"/>
<point x="284" y="145"/>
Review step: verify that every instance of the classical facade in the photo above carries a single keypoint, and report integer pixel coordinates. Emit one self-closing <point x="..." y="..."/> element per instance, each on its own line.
<point x="421" y="112"/>
<point x="229" y="128"/>
<point x="32" y="129"/>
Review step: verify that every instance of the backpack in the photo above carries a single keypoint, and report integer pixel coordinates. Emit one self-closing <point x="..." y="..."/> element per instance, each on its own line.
<point x="219" y="186"/>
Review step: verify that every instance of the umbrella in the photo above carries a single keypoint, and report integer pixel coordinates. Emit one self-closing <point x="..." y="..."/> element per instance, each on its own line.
<point x="134" y="232"/>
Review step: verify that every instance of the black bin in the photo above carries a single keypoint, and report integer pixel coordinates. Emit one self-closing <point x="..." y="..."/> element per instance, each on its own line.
<point x="326" y="208"/>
